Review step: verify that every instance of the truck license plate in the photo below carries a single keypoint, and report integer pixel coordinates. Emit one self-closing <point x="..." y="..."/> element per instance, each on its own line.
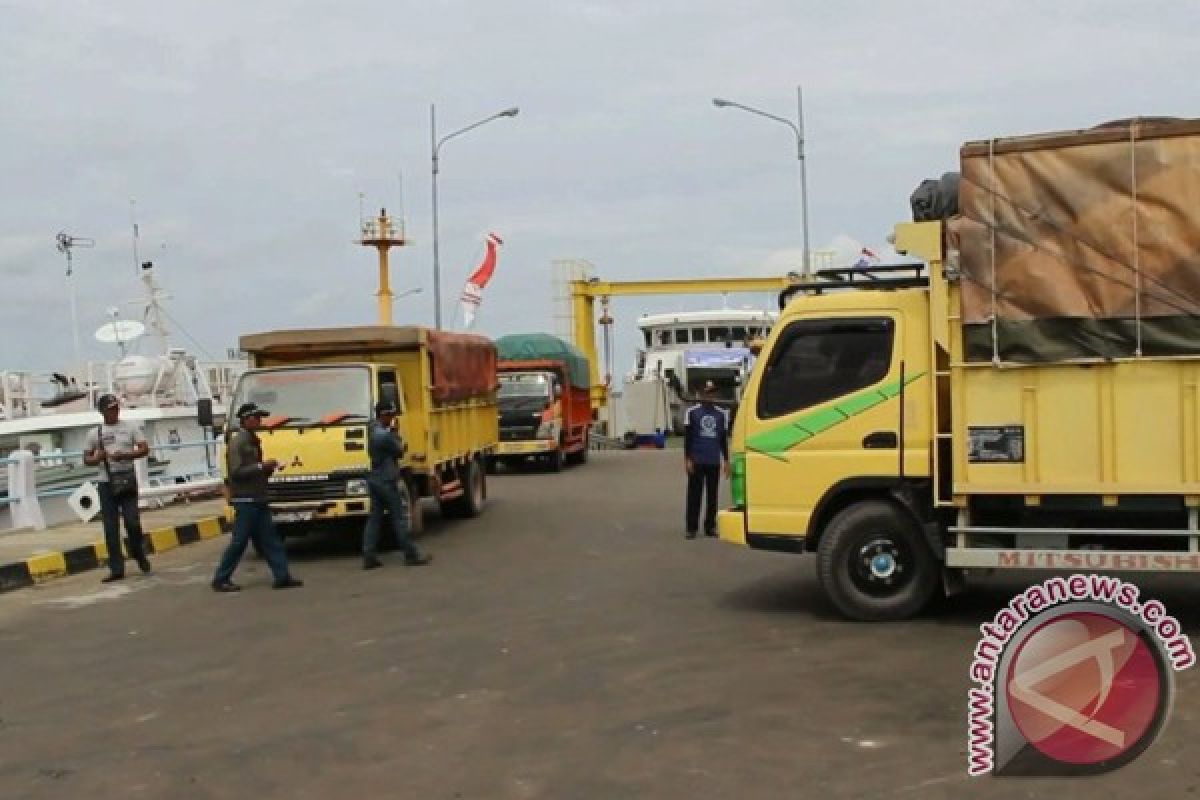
<point x="292" y="516"/>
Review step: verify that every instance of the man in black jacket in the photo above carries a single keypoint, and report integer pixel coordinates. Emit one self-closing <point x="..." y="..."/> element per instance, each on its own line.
<point x="385" y="447"/>
<point x="248" y="474"/>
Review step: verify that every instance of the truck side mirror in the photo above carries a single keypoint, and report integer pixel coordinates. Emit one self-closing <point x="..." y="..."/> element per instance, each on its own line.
<point x="204" y="412"/>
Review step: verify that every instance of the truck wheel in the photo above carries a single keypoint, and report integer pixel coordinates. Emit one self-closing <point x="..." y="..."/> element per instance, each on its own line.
<point x="579" y="456"/>
<point x="491" y="465"/>
<point x="474" y="496"/>
<point x="416" y="516"/>
<point x="874" y="564"/>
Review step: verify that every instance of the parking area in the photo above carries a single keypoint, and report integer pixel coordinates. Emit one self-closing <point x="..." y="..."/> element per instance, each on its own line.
<point x="567" y="644"/>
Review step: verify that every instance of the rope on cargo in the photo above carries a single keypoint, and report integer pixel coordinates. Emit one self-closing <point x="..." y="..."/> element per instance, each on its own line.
<point x="1137" y="269"/>
<point x="992" y="231"/>
<point x="1191" y="305"/>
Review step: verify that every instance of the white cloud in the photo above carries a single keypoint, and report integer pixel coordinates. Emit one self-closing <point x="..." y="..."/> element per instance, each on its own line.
<point x="246" y="131"/>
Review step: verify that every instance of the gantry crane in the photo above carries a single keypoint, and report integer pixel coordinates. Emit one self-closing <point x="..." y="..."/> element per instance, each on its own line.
<point x="584" y="294"/>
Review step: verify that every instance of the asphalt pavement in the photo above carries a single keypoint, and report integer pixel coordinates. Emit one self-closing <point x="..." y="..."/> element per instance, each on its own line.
<point x="567" y="644"/>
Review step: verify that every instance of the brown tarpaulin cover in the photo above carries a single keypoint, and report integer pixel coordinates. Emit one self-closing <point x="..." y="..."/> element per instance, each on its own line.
<point x="463" y="365"/>
<point x="1096" y="238"/>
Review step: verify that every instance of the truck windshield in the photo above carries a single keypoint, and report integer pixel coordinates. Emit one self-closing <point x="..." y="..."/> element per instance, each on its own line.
<point x="309" y="394"/>
<point x="525" y="385"/>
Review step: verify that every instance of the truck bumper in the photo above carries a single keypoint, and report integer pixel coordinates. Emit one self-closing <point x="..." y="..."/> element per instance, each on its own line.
<point x="310" y="511"/>
<point x="731" y="525"/>
<point x="527" y="447"/>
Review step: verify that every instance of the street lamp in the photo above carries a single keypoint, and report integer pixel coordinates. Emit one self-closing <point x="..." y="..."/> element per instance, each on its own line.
<point x="798" y="129"/>
<point x="437" y="146"/>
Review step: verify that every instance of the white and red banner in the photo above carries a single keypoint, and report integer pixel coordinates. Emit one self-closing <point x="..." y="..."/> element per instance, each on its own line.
<point x="472" y="293"/>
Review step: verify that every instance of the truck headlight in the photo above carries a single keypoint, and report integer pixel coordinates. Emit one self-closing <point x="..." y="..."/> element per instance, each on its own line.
<point x="358" y="486"/>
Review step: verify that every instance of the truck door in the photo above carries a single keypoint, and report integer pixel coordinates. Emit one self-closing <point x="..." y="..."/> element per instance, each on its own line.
<point x="826" y="409"/>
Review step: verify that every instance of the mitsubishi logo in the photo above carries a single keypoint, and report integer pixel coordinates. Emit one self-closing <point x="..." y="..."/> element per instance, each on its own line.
<point x="296" y="462"/>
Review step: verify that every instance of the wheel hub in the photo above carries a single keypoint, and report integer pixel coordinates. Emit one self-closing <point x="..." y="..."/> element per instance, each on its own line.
<point x="881" y="562"/>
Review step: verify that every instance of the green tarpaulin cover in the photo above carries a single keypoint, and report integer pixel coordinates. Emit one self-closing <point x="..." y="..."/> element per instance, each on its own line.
<point x="527" y="346"/>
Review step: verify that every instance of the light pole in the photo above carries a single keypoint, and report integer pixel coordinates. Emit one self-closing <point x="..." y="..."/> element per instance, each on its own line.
<point x="798" y="129"/>
<point x="436" y="145"/>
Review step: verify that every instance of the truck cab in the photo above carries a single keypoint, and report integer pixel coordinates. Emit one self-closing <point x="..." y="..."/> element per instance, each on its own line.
<point x="318" y="432"/>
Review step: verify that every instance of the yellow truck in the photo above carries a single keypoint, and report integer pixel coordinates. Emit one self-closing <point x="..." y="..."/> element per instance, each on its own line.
<point x="1025" y="397"/>
<point x="321" y="386"/>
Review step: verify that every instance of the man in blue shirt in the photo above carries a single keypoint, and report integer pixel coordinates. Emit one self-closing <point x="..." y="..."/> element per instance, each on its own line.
<point x="705" y="453"/>
<point x="385" y="448"/>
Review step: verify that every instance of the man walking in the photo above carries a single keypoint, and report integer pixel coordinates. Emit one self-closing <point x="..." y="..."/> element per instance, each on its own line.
<point x="113" y="447"/>
<point x="705" y="451"/>
<point x="385" y="446"/>
<point x="247" y="480"/>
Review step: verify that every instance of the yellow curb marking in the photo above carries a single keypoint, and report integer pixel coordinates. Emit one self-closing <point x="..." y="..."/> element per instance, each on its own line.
<point x="46" y="566"/>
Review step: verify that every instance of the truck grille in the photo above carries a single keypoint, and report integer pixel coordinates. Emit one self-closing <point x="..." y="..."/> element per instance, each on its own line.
<point x="311" y="487"/>
<point x="518" y="433"/>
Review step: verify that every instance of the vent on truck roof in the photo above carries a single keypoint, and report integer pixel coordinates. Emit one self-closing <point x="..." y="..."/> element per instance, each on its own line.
<point x="880" y="276"/>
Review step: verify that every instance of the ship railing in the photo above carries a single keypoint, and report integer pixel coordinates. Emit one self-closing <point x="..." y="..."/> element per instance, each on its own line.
<point x="25" y="510"/>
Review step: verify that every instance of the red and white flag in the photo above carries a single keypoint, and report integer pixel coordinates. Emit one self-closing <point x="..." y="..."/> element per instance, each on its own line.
<point x="866" y="258"/>
<point x="472" y="294"/>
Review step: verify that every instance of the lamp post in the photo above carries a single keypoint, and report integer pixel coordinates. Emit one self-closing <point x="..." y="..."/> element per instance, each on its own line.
<point x="436" y="145"/>
<point x="798" y="129"/>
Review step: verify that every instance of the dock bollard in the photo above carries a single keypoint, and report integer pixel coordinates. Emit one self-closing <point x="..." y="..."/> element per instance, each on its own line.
<point x="23" y="504"/>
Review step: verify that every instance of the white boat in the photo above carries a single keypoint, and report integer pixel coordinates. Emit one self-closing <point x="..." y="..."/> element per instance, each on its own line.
<point x="51" y="414"/>
<point x="680" y="353"/>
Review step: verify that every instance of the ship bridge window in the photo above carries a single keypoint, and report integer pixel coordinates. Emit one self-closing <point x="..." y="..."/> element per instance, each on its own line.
<point x="664" y="338"/>
<point x="739" y="334"/>
<point x="720" y="334"/>
<point x="681" y="336"/>
<point x="698" y="335"/>
<point x="646" y="336"/>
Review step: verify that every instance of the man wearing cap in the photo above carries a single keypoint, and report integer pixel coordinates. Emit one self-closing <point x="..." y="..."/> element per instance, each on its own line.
<point x="385" y="447"/>
<point x="705" y="452"/>
<point x="113" y="447"/>
<point x="248" y="474"/>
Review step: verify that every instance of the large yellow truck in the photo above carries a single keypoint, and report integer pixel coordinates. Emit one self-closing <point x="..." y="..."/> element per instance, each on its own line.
<point x="1025" y="397"/>
<point x="320" y="387"/>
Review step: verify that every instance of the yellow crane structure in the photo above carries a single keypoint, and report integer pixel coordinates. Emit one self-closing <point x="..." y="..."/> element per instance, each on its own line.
<point x="585" y="293"/>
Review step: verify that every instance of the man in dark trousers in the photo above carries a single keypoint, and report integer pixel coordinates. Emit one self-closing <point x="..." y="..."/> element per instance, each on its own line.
<point x="113" y="447"/>
<point x="247" y="480"/>
<point x="385" y="447"/>
<point x="705" y="452"/>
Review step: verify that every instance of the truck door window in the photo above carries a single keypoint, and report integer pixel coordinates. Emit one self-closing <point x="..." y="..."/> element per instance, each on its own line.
<point x="388" y="385"/>
<point x="819" y="360"/>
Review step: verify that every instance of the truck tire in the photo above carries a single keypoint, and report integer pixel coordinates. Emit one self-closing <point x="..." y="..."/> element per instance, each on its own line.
<point x="416" y="516"/>
<point x="474" y="496"/>
<point x="579" y="456"/>
<point x="874" y="564"/>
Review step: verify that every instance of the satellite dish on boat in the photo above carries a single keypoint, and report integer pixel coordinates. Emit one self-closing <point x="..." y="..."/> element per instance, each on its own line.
<point x="120" y="331"/>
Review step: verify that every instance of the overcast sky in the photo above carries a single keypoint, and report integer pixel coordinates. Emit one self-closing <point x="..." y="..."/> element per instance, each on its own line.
<point x="247" y="130"/>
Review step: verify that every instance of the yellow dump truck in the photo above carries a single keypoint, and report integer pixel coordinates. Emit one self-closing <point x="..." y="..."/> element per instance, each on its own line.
<point x="1026" y="397"/>
<point x="320" y="387"/>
